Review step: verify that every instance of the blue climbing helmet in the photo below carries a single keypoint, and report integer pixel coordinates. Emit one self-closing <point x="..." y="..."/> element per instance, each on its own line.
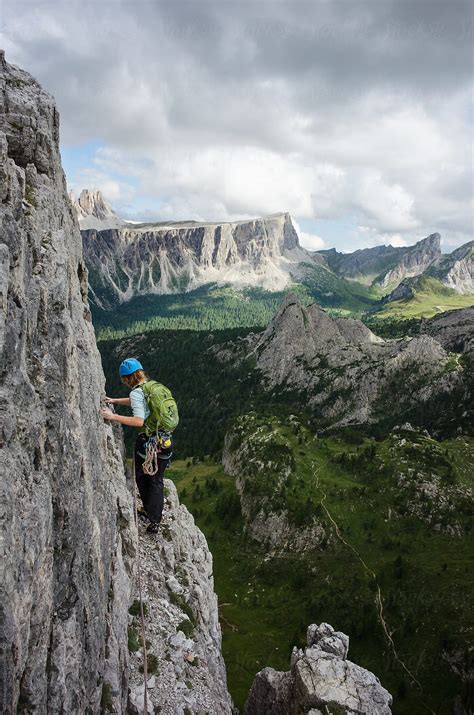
<point x="128" y="366"/>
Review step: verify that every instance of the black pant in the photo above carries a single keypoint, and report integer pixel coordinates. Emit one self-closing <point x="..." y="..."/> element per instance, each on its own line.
<point x="150" y="486"/>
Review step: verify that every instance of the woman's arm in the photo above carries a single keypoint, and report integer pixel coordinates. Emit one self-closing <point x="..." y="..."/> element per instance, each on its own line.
<point x="117" y="400"/>
<point x="130" y="421"/>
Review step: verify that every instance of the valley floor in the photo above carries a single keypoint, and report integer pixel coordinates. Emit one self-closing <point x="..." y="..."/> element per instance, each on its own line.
<point x="424" y="572"/>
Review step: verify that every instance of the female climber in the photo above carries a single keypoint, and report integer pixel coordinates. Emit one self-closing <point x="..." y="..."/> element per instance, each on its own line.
<point x="155" y="415"/>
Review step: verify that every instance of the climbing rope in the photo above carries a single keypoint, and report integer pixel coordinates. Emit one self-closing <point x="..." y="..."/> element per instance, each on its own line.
<point x="142" y="616"/>
<point x="150" y="465"/>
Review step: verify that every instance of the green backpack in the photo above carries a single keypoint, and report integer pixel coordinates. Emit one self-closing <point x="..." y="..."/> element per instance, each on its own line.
<point x="163" y="408"/>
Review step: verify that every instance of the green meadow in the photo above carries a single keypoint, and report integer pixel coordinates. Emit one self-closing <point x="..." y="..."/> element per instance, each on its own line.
<point x="431" y="297"/>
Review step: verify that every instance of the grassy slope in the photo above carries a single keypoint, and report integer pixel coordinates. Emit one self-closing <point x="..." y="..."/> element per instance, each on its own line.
<point x="426" y="577"/>
<point x="431" y="297"/>
<point x="332" y="292"/>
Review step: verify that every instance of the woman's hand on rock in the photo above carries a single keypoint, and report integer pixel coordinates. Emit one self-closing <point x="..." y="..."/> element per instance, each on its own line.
<point x="108" y="414"/>
<point x="110" y="400"/>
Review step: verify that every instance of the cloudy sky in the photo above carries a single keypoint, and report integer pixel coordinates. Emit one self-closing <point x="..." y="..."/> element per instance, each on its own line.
<point x="355" y="116"/>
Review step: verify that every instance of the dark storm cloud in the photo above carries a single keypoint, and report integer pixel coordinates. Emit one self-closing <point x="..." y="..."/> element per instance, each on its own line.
<point x="374" y="92"/>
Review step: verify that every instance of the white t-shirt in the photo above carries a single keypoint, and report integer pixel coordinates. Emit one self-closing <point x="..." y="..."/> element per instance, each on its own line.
<point x="138" y="403"/>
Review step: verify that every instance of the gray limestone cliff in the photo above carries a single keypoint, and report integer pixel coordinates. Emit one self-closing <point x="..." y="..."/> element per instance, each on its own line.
<point x="346" y="375"/>
<point x="174" y="258"/>
<point x="67" y="531"/>
<point x="453" y="329"/>
<point x="363" y="265"/>
<point x="321" y="681"/>
<point x="456" y="269"/>
<point x="413" y="262"/>
<point x="181" y="621"/>
<point x="69" y="541"/>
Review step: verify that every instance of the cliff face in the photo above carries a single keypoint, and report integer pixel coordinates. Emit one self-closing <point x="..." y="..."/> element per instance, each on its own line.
<point x="385" y="265"/>
<point x="181" y="621"/>
<point x="413" y="262"/>
<point x="246" y="457"/>
<point x="456" y="270"/>
<point x="452" y="329"/>
<point x="67" y="528"/>
<point x="176" y="258"/>
<point x="363" y="265"/>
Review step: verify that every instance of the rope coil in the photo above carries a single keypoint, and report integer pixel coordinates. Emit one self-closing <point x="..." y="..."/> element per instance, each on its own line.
<point x="150" y="465"/>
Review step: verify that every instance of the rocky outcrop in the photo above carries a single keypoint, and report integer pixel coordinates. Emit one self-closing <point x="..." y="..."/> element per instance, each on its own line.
<point x="69" y="542"/>
<point x="179" y="257"/>
<point x="181" y="621"/>
<point x="404" y="290"/>
<point x="395" y="268"/>
<point x="413" y="262"/>
<point x="321" y="681"/>
<point x="456" y="270"/>
<point x="262" y="470"/>
<point x="454" y="330"/>
<point x="345" y="373"/>
<point x="93" y="211"/>
<point x="68" y="539"/>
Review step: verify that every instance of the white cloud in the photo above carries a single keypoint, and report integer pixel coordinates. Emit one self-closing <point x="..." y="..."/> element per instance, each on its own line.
<point x="228" y="110"/>
<point x="389" y="206"/>
<point x="368" y="237"/>
<point x="114" y="191"/>
<point x="228" y="182"/>
<point x="309" y="240"/>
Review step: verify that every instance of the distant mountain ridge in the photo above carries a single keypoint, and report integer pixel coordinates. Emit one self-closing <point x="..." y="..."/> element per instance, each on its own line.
<point x="398" y="269"/>
<point x="127" y="260"/>
<point x="93" y="211"/>
<point x="163" y="259"/>
<point x="384" y="265"/>
<point x="456" y="269"/>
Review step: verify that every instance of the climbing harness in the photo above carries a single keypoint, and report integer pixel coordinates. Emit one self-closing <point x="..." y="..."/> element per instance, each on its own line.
<point x="142" y="616"/>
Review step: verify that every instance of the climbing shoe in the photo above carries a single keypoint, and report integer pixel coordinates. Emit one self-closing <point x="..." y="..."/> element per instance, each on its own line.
<point x="153" y="528"/>
<point x="142" y="515"/>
